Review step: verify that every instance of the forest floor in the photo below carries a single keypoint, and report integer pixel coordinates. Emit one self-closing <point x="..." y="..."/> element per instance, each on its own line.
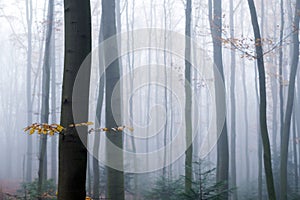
<point x="8" y="187"/>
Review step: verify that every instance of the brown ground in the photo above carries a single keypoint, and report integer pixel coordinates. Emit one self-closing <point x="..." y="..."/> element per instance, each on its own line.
<point x="8" y="187"/>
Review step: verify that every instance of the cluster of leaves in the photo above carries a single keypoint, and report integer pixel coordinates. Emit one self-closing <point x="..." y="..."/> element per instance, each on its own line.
<point x="246" y="45"/>
<point x="203" y="187"/>
<point x="46" y="129"/>
<point x="51" y="129"/>
<point x="29" y="190"/>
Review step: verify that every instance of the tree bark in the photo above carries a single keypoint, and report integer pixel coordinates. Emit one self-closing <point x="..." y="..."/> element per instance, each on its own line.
<point x="289" y="106"/>
<point x="215" y="17"/>
<point x="232" y="106"/>
<point x="72" y="150"/>
<point x="42" y="173"/>
<point x="53" y="106"/>
<point x="188" y="100"/>
<point x="28" y="88"/>
<point x="115" y="178"/>
<point x="96" y="146"/>
<point x="263" y="102"/>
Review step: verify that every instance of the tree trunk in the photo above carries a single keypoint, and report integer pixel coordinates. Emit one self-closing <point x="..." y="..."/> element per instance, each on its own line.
<point x="289" y="106"/>
<point x="28" y="89"/>
<point x="188" y="100"/>
<point x="115" y="178"/>
<point x="72" y="150"/>
<point x="96" y="146"/>
<point x="42" y="173"/>
<point x="281" y="78"/>
<point x="295" y="151"/>
<point x="259" y="141"/>
<point x="215" y="17"/>
<point x="263" y="102"/>
<point x="232" y="106"/>
<point x="246" y="124"/>
<point x="53" y="106"/>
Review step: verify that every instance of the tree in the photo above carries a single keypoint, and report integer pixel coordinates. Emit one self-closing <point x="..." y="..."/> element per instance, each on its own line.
<point x="53" y="104"/>
<point x="281" y="70"/>
<point x="115" y="178"/>
<point x="215" y="17"/>
<point x="42" y="174"/>
<point x="188" y="100"/>
<point x="232" y="106"/>
<point x="263" y="102"/>
<point x="289" y="106"/>
<point x="28" y="87"/>
<point x="72" y="151"/>
<point x="96" y="146"/>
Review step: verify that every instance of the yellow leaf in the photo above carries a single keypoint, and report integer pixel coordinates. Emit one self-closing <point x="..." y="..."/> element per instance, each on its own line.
<point x="39" y="131"/>
<point x="32" y="130"/>
<point x="51" y="132"/>
<point x="105" y="129"/>
<point x="44" y="131"/>
<point x="89" y="123"/>
<point x="60" y="128"/>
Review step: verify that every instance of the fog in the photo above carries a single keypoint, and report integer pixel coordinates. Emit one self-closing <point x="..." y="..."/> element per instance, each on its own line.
<point x="158" y="118"/>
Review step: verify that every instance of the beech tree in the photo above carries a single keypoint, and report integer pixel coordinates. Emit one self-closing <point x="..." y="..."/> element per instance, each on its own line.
<point x="45" y="101"/>
<point x="188" y="99"/>
<point x="215" y="17"/>
<point x="115" y="178"/>
<point x="289" y="106"/>
<point x="72" y="151"/>
<point x="263" y="102"/>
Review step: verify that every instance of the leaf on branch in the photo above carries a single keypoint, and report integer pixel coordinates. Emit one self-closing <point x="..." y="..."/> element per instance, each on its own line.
<point x="51" y="129"/>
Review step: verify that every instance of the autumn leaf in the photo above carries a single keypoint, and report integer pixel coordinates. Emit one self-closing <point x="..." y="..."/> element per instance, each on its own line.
<point x="32" y="130"/>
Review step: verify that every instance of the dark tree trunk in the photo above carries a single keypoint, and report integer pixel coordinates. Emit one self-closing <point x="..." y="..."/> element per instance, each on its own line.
<point x="263" y="102"/>
<point x="115" y="178"/>
<point x="72" y="150"/>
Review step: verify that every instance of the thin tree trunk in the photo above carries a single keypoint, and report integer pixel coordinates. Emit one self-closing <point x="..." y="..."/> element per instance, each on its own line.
<point x="165" y="90"/>
<point x="215" y="17"/>
<point x="28" y="89"/>
<point x="96" y="145"/>
<point x="259" y="140"/>
<point x="289" y="106"/>
<point x="42" y="173"/>
<point x="72" y="150"/>
<point x="263" y="103"/>
<point x="259" y="144"/>
<point x="130" y="62"/>
<point x="246" y="123"/>
<point x="53" y="106"/>
<point x="295" y="151"/>
<point x="188" y="100"/>
<point x="281" y="78"/>
<point x="232" y="106"/>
